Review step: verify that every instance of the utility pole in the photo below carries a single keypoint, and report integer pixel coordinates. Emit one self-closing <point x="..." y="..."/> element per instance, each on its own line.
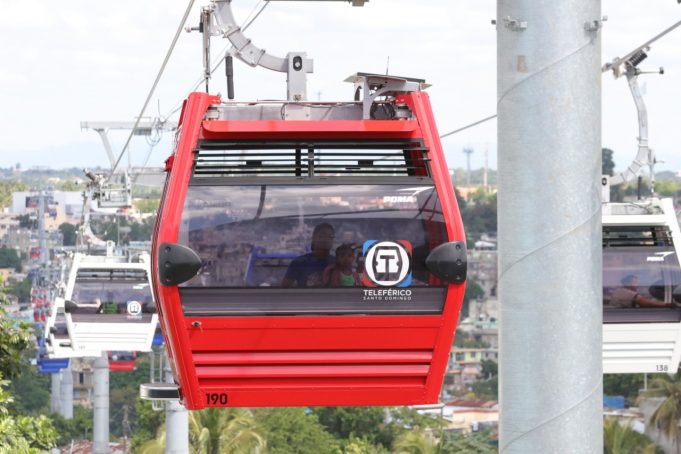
<point x="100" y="429"/>
<point x="550" y="257"/>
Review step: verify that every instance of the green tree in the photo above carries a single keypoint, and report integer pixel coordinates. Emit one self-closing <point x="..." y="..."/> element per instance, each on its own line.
<point x="292" y="430"/>
<point x="224" y="430"/>
<point x="668" y="415"/>
<point x="472" y="293"/>
<point x="77" y="428"/>
<point x="7" y="188"/>
<point x="69" y="233"/>
<point x="486" y="389"/>
<point x="483" y="442"/>
<point x="23" y="434"/>
<point x="627" y="385"/>
<point x="489" y="368"/>
<point x="14" y="341"/>
<point x="9" y="258"/>
<point x="622" y="439"/>
<point x="148" y="424"/>
<point x="608" y="162"/>
<point x="22" y="290"/>
<point x="31" y="392"/>
<point x="415" y="442"/>
<point x="355" y="445"/>
<point x="357" y="422"/>
<point x="147" y="205"/>
<point x="70" y="185"/>
<point x="18" y="433"/>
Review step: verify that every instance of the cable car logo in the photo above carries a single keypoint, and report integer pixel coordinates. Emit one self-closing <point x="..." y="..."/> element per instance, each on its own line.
<point x="387" y="263"/>
<point x="134" y="308"/>
<point x="659" y="256"/>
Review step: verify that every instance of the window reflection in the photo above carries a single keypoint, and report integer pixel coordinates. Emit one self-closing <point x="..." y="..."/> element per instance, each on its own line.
<point x="110" y="297"/>
<point x="290" y="235"/>
<point x="638" y="277"/>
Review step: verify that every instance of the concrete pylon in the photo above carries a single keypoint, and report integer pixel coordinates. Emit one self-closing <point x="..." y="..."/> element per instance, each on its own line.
<point x="66" y="408"/>
<point x="177" y="423"/>
<point x="100" y="430"/>
<point x="55" y="393"/>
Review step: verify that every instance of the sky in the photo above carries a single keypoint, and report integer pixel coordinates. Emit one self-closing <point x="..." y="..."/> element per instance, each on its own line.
<point x="66" y="62"/>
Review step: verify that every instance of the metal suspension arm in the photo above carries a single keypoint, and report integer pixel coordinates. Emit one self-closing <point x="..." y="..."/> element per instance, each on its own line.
<point x="645" y="156"/>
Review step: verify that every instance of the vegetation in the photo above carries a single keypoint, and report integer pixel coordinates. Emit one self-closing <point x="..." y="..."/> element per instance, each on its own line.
<point x="69" y="233"/>
<point x="620" y="438"/>
<point x="18" y="433"/>
<point x="667" y="417"/>
<point x="7" y="187"/>
<point x="627" y="385"/>
<point x="9" y="258"/>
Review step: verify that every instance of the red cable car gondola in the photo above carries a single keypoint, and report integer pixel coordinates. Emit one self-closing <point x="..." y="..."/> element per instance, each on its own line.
<point x="258" y="201"/>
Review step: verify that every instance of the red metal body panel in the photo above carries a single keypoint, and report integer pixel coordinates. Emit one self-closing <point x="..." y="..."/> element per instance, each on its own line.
<point x="122" y="366"/>
<point x="305" y="360"/>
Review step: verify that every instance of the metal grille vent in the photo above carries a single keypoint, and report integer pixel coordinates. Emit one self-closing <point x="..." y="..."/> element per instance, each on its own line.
<point x="310" y="159"/>
<point x="94" y="274"/>
<point x="629" y="236"/>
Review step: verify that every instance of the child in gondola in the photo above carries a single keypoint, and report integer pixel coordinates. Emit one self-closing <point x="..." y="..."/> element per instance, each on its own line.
<point x="341" y="274"/>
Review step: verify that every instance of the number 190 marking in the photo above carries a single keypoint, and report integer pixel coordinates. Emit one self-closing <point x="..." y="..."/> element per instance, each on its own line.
<point x="216" y="398"/>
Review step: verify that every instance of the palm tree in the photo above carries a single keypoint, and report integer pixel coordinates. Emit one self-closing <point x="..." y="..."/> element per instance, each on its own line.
<point x="224" y="431"/>
<point x="157" y="445"/>
<point x="414" y="442"/>
<point x="668" y="415"/>
<point x="622" y="439"/>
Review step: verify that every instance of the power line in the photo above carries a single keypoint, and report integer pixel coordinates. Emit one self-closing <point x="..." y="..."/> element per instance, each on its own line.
<point x="468" y="126"/>
<point x="153" y="88"/>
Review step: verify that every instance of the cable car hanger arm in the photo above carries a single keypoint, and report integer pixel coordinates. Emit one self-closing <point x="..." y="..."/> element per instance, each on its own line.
<point x="628" y="66"/>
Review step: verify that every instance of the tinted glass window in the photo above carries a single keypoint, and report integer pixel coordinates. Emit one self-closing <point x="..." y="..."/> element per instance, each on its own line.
<point x="308" y="235"/>
<point x="642" y="282"/>
<point x="108" y="297"/>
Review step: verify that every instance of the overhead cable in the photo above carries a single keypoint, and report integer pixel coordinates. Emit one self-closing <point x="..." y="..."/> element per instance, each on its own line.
<point x="178" y="106"/>
<point x="468" y="126"/>
<point x="153" y="87"/>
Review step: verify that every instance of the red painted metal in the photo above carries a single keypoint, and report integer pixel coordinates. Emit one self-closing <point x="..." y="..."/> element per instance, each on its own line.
<point x="310" y="360"/>
<point x="126" y="365"/>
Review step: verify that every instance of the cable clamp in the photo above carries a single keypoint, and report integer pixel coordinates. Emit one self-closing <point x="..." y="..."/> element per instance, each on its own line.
<point x="515" y="24"/>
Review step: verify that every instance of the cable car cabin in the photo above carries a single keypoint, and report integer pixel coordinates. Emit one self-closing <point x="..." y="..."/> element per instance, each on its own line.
<point x="641" y="292"/>
<point x="309" y="253"/>
<point x="58" y="343"/>
<point x="122" y="361"/>
<point x="109" y="304"/>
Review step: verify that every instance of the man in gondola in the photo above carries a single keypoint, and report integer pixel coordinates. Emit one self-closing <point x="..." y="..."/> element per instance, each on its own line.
<point x="628" y="295"/>
<point x="307" y="270"/>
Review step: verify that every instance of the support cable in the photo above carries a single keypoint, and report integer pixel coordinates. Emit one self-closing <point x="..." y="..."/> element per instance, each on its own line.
<point x="468" y="126"/>
<point x="198" y="83"/>
<point x="153" y="88"/>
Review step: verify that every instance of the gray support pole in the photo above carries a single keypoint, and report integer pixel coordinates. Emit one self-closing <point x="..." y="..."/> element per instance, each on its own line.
<point x="55" y="393"/>
<point x="549" y="211"/>
<point x="66" y="408"/>
<point x="100" y="430"/>
<point x="177" y="423"/>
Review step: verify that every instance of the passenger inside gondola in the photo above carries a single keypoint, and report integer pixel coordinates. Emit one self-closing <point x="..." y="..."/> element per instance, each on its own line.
<point x="308" y="269"/>
<point x="628" y="296"/>
<point x="341" y="273"/>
